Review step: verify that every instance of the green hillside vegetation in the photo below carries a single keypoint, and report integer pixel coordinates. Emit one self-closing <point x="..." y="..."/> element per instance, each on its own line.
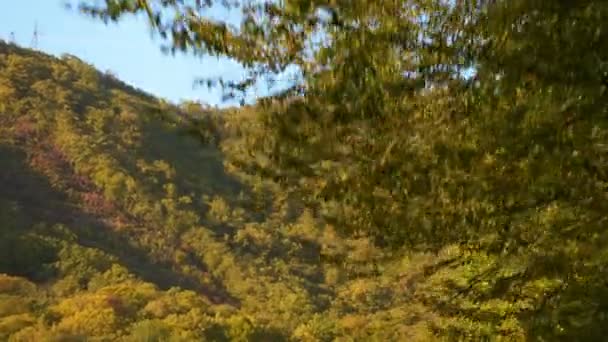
<point x="102" y="197"/>
<point x="118" y="223"/>
<point x="367" y="206"/>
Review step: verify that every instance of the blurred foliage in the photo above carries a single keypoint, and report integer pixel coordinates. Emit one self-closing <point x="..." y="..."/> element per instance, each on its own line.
<point x="388" y="196"/>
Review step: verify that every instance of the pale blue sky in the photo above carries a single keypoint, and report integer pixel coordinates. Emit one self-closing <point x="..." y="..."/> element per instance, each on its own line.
<point x="127" y="49"/>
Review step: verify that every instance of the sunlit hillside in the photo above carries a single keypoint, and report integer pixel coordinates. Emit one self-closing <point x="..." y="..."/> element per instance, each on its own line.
<point x="119" y="222"/>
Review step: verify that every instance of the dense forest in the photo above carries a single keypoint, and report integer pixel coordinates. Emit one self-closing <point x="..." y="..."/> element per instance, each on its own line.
<point x="439" y="173"/>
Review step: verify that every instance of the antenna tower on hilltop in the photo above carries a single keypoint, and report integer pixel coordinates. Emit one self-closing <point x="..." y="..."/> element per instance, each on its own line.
<point x="35" y="37"/>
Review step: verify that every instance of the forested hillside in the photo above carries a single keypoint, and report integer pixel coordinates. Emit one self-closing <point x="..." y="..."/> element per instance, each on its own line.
<point x="119" y="223"/>
<point x="388" y="197"/>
